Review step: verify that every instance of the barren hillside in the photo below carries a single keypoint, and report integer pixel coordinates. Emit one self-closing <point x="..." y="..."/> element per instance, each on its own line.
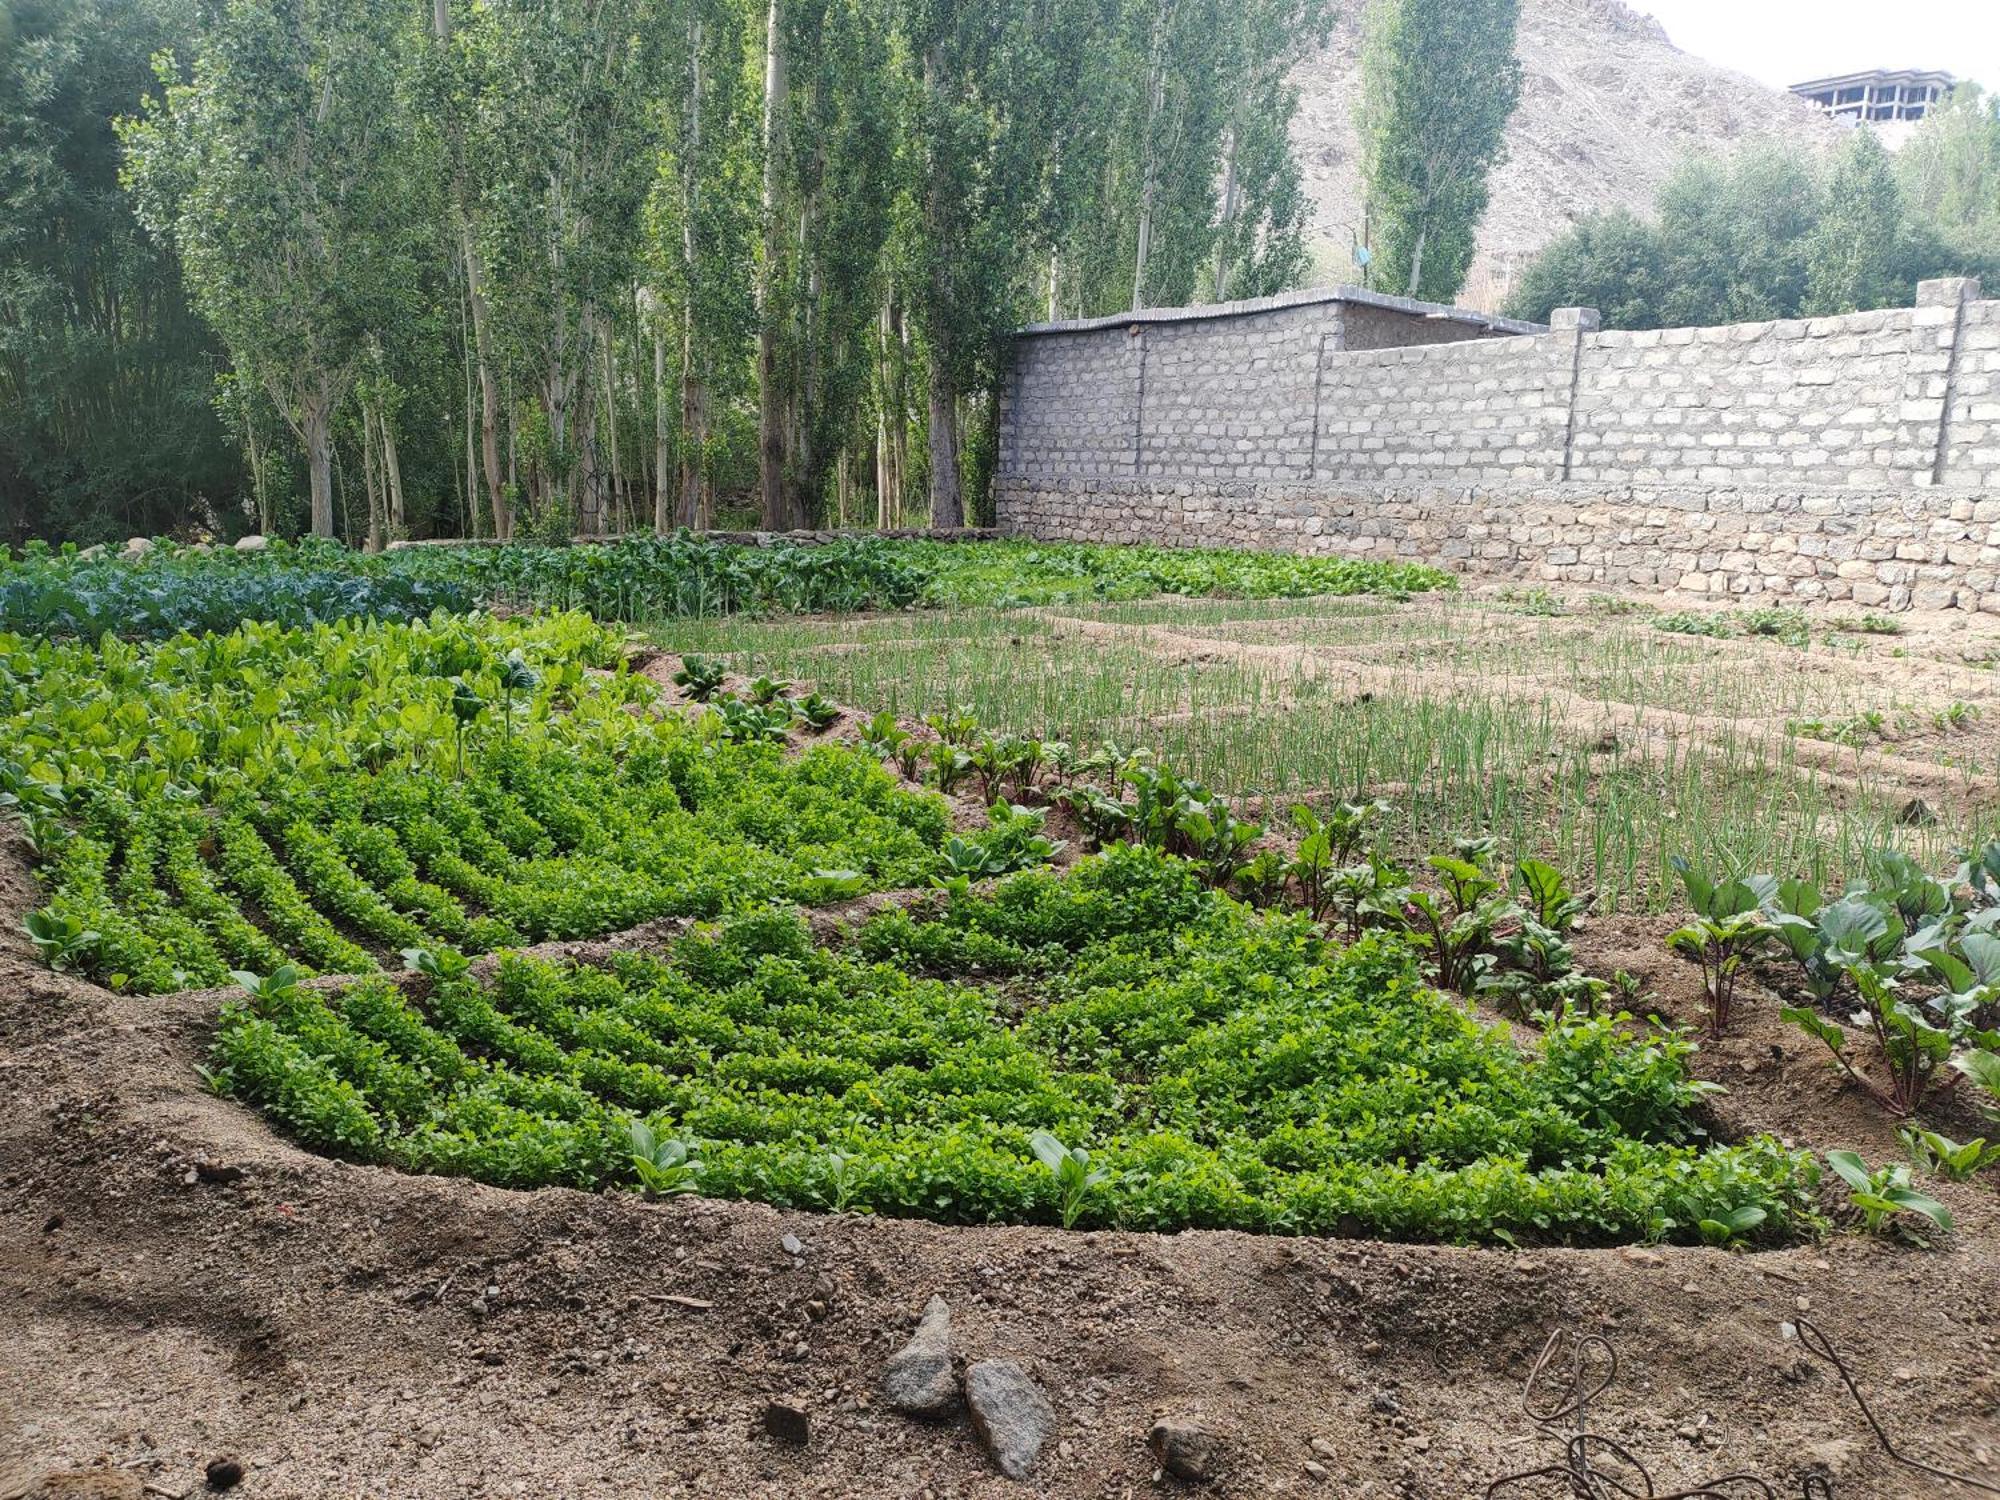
<point x="1608" y="106"/>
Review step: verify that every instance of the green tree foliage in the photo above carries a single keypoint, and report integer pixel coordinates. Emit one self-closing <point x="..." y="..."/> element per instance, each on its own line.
<point x="273" y="172"/>
<point x="1949" y="171"/>
<point x="1769" y="235"/>
<point x="1854" y="254"/>
<point x="106" y="376"/>
<point x="474" y="263"/>
<point x="1439" y="83"/>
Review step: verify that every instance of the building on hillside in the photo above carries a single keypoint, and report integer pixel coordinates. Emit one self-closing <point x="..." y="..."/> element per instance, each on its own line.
<point x="1883" y="96"/>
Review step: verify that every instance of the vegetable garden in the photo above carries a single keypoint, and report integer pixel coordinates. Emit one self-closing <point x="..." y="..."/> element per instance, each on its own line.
<point x="1089" y="991"/>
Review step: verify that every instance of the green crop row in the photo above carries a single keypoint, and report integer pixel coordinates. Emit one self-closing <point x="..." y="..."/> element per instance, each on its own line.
<point x="329" y="797"/>
<point x="1214" y="1066"/>
<point x="641" y="578"/>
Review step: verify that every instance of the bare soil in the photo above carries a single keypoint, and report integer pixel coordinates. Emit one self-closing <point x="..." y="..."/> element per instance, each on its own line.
<point x="179" y="1284"/>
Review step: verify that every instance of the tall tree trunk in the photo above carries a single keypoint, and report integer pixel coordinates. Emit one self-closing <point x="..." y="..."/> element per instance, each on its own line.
<point x="1417" y="264"/>
<point x="471" y="427"/>
<point x="663" y="509"/>
<point x="770" y="398"/>
<point x="693" y="395"/>
<point x="503" y="520"/>
<point x="392" y="473"/>
<point x="1156" y="96"/>
<point x="611" y="424"/>
<point x="947" y="498"/>
<point x="316" y="428"/>
<point x="371" y="478"/>
<point x="1228" y="216"/>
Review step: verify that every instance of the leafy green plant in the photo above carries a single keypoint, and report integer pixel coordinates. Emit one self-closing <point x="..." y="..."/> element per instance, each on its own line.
<point x="883" y="738"/>
<point x="1075" y="1177"/>
<point x="747" y="723"/>
<point x="821" y="887"/>
<point x="516" y="676"/>
<point x="949" y="766"/>
<point x="959" y="727"/>
<point x="1884" y="1193"/>
<point x="1912" y="1048"/>
<point x="273" y="991"/>
<point x="1458" y="930"/>
<point x="816" y="712"/>
<point x="437" y="963"/>
<point x="62" y="939"/>
<point x="665" y="1166"/>
<point x="466" y="707"/>
<point x="1729" y="926"/>
<point x="1982" y="1068"/>
<point x="700" y="677"/>
<point x="1941" y="1156"/>
<point x="766" y="691"/>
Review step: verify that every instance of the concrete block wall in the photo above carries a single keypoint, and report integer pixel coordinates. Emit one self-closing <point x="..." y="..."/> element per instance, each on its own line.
<point x="1853" y="458"/>
<point x="1489" y="408"/>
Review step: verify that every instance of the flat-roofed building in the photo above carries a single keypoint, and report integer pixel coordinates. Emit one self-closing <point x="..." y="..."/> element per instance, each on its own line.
<point x="1883" y="96"/>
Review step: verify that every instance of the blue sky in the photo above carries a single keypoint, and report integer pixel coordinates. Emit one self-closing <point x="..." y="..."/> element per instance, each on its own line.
<point x="1782" y="42"/>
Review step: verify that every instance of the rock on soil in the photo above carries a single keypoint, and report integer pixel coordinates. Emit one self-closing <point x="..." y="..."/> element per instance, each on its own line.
<point x="1187" y="1449"/>
<point x="788" y="1422"/>
<point x="918" y="1376"/>
<point x="1009" y="1412"/>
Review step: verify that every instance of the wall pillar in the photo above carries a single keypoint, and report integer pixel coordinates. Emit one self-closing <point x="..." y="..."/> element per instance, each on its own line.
<point x="1949" y="295"/>
<point x="1572" y="323"/>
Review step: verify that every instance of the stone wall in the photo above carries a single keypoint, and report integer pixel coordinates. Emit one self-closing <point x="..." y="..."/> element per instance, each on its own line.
<point x="1853" y="458"/>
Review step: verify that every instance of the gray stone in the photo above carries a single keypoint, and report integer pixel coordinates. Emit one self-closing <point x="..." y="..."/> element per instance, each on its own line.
<point x="137" y="546"/>
<point x="918" y="1377"/>
<point x="251" y="543"/>
<point x="792" y="1246"/>
<point x="1009" y="1413"/>
<point x="1188" y="1449"/>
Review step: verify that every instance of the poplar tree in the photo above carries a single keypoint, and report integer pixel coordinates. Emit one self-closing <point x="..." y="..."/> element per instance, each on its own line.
<point x="1439" y="83"/>
<point x="274" y="173"/>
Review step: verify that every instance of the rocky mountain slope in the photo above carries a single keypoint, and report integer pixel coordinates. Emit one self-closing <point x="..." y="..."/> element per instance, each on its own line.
<point x="1608" y="106"/>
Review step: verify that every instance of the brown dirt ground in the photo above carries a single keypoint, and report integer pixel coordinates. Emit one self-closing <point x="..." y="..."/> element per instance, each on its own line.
<point x="179" y="1283"/>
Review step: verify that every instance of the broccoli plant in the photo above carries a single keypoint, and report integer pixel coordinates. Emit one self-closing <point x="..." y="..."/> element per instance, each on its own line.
<point x="1075" y="1177"/>
<point x="1883" y="1193"/>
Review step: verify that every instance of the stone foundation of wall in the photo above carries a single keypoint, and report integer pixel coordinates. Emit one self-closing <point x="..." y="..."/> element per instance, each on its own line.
<point x="1922" y="549"/>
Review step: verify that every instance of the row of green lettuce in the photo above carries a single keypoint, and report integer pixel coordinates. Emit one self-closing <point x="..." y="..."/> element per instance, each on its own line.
<point x="167" y="589"/>
<point x="1195" y="1062"/>
<point x="329" y="797"/>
